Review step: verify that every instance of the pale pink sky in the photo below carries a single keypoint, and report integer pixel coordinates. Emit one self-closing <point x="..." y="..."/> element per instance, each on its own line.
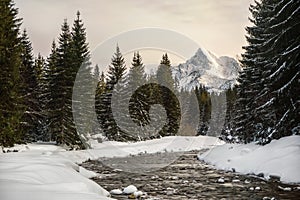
<point x="217" y="25"/>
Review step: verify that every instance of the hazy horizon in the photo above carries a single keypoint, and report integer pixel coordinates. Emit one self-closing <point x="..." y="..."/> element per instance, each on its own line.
<point x="217" y="26"/>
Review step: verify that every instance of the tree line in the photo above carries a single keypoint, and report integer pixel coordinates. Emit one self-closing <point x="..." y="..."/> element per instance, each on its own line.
<point x="36" y="92"/>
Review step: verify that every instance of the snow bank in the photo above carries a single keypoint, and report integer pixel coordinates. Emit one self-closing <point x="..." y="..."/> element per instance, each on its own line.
<point x="47" y="172"/>
<point x="111" y="149"/>
<point x="280" y="158"/>
<point x="39" y="172"/>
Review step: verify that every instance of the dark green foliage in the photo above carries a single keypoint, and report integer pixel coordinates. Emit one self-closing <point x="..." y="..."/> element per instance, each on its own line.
<point x="29" y="90"/>
<point x="166" y="95"/>
<point x="137" y="78"/>
<point x="204" y="102"/>
<point x="153" y="94"/>
<point x="59" y="119"/>
<point x="164" y="73"/>
<point x="268" y="100"/>
<point x="41" y="71"/>
<point x="228" y="130"/>
<point x="115" y="78"/>
<point x="49" y="91"/>
<point x="11" y="100"/>
<point x="64" y="62"/>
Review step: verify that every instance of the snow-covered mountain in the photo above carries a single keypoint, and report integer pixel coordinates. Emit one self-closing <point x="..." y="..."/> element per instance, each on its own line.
<point x="204" y="68"/>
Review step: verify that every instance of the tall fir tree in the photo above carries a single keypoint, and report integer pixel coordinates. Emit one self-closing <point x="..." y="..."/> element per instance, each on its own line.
<point x="29" y="90"/>
<point x="61" y="123"/>
<point x="41" y="71"/>
<point x="166" y="95"/>
<point x="267" y="104"/>
<point x="137" y="78"/>
<point x="59" y="87"/>
<point x="204" y="103"/>
<point x="115" y="75"/>
<point x="278" y="101"/>
<point x="228" y="129"/>
<point x="85" y="86"/>
<point x="11" y="100"/>
<point x="50" y="91"/>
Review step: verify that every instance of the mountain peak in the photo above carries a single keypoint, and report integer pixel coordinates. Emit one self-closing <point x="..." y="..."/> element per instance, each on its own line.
<point x="205" y="68"/>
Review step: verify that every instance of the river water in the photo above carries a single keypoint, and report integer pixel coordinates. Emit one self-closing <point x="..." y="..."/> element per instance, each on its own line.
<point x="185" y="178"/>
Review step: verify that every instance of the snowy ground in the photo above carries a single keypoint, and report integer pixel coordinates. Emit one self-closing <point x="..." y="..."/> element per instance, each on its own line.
<point x="279" y="158"/>
<point x="40" y="172"/>
<point x="45" y="171"/>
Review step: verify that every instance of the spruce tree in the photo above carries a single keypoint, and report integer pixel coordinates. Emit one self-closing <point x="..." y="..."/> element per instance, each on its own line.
<point x="41" y="71"/>
<point x="164" y="73"/>
<point x="11" y="108"/>
<point x="115" y="75"/>
<point x="166" y="95"/>
<point x="29" y="90"/>
<point x="204" y="103"/>
<point x="137" y="78"/>
<point x="84" y="103"/>
<point x="279" y="101"/>
<point x="59" y="87"/>
<point x="50" y="92"/>
<point x="228" y="129"/>
<point x="267" y="104"/>
<point x="61" y="122"/>
<point x="249" y="78"/>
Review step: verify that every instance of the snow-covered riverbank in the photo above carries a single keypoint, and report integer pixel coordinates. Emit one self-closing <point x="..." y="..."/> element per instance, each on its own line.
<point x="41" y="172"/>
<point x="280" y="158"/>
<point x="46" y="171"/>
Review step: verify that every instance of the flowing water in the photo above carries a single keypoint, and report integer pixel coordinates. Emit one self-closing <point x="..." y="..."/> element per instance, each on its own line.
<point x="185" y="178"/>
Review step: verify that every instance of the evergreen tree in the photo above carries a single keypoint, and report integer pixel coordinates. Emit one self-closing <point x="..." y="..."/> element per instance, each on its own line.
<point x="100" y="90"/>
<point x="164" y="73"/>
<point x="137" y="78"/>
<point x="61" y="123"/>
<point x="41" y="71"/>
<point x="29" y="90"/>
<point x="267" y="104"/>
<point x="249" y="78"/>
<point x="84" y="103"/>
<point x="11" y="108"/>
<point x="167" y="98"/>
<point x="228" y="132"/>
<point x="115" y="75"/>
<point x="50" y="92"/>
<point x="204" y="103"/>
<point x="59" y="89"/>
<point x="101" y="83"/>
<point x="278" y="101"/>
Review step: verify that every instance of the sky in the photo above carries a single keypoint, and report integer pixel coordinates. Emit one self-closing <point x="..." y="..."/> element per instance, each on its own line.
<point x="216" y="25"/>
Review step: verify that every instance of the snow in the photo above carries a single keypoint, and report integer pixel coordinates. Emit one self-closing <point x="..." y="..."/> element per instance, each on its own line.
<point x="112" y="149"/>
<point x="116" y="191"/>
<point x="205" y="68"/>
<point x="221" y="180"/>
<point x="138" y="193"/>
<point x="285" y="188"/>
<point x="38" y="172"/>
<point x="278" y="158"/>
<point x="46" y="171"/>
<point x="130" y="189"/>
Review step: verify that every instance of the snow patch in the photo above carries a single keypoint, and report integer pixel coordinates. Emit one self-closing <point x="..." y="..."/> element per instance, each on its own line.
<point x="39" y="172"/>
<point x="280" y="157"/>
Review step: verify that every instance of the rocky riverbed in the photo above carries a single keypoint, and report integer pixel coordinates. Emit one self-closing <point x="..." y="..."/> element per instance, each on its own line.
<point x="185" y="178"/>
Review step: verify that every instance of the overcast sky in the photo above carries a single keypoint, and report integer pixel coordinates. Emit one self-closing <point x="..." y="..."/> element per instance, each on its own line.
<point x="217" y="25"/>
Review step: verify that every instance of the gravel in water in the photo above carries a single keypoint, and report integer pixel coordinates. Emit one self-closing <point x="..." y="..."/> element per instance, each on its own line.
<point x="185" y="178"/>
